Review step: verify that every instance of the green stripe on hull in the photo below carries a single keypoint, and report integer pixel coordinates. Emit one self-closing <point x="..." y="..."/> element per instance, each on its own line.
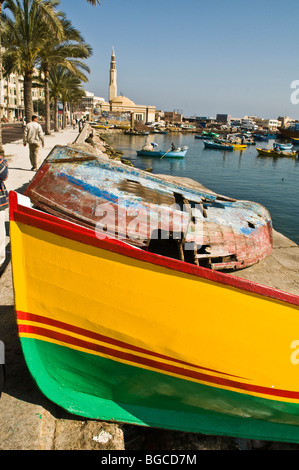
<point x="100" y="388"/>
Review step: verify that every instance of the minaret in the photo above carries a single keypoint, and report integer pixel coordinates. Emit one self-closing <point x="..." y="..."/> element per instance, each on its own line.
<point x="113" y="78"/>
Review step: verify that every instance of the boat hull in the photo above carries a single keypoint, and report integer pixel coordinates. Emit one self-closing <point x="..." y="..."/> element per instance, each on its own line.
<point x="110" y="332"/>
<point x="161" y="153"/>
<point x="214" y="145"/>
<point x="289" y="133"/>
<point x="143" y="209"/>
<point x="288" y="147"/>
<point x="239" y="146"/>
<point x="274" y="153"/>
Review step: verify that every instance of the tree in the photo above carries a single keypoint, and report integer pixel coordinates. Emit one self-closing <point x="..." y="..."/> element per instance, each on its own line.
<point x="25" y="29"/>
<point x="64" y="87"/>
<point x="69" y="53"/>
<point x="94" y="2"/>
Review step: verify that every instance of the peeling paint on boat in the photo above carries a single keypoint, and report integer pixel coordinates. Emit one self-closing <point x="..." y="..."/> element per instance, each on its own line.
<point x="74" y="185"/>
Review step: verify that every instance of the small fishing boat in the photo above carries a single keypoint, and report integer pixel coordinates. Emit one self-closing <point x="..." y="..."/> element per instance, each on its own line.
<point x="202" y="137"/>
<point x="132" y="132"/>
<point x="285" y="146"/>
<point x="150" y="150"/>
<point x="218" y="145"/>
<point x="295" y="140"/>
<point x="210" y="134"/>
<point x="276" y="153"/>
<point x="260" y="137"/>
<point x="207" y="136"/>
<point x="239" y="146"/>
<point x="112" y="332"/>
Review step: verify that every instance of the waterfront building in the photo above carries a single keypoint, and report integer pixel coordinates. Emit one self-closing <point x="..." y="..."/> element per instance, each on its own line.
<point x="223" y="118"/>
<point x="122" y="104"/>
<point x="12" y="97"/>
<point x="173" y="117"/>
<point x="271" y="124"/>
<point x="90" y="104"/>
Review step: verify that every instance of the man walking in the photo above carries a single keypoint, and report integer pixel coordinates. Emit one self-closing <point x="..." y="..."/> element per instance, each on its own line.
<point x="34" y="136"/>
<point x="3" y="206"/>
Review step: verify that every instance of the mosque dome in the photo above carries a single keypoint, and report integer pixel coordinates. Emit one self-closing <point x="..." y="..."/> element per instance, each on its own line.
<point x="122" y="101"/>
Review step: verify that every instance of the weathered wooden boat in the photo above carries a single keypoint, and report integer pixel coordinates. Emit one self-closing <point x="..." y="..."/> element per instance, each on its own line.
<point x="176" y="153"/>
<point x="151" y="213"/>
<point x="276" y="153"/>
<point x="112" y="332"/>
<point x="217" y="145"/>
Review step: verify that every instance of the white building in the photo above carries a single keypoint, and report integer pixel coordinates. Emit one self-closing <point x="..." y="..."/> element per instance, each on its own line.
<point x="12" y="97"/>
<point x="271" y="124"/>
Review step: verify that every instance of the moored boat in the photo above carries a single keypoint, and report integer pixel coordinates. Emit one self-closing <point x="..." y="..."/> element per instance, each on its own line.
<point x="112" y="332"/>
<point x="218" y="145"/>
<point x="276" y="153"/>
<point x="290" y="132"/>
<point x="239" y="146"/>
<point x="207" y="135"/>
<point x="132" y="132"/>
<point x="150" y="150"/>
<point x="284" y="146"/>
<point x="260" y="137"/>
<point x="159" y="131"/>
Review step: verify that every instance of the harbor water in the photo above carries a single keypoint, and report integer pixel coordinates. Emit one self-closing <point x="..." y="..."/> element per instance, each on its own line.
<point x="272" y="182"/>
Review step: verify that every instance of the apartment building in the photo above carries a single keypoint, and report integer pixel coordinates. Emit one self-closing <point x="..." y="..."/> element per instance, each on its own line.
<point x="12" y="98"/>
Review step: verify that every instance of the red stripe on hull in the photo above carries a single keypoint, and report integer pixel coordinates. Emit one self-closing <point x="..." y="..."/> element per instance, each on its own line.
<point x="87" y="236"/>
<point x="162" y="367"/>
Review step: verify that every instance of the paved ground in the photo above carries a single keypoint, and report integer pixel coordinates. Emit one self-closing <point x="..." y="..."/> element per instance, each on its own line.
<point x="30" y="422"/>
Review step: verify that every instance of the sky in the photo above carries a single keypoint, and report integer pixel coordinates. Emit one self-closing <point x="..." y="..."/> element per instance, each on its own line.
<point x="199" y="58"/>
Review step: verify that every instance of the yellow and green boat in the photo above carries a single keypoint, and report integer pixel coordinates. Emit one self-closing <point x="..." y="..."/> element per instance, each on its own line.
<point x="112" y="332"/>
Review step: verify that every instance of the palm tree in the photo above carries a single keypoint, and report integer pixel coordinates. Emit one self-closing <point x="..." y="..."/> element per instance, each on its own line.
<point x="70" y="91"/>
<point x="94" y="2"/>
<point x="67" y="53"/>
<point x="65" y="87"/>
<point x="25" y="30"/>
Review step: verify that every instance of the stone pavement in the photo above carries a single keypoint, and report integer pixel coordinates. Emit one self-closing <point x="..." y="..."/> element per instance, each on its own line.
<point x="30" y="422"/>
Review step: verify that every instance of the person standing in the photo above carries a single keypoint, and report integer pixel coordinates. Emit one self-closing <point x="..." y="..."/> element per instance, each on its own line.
<point x="34" y="136"/>
<point x="3" y="206"/>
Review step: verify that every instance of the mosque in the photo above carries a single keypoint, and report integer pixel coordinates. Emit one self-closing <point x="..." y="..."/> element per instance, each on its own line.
<point x="122" y="104"/>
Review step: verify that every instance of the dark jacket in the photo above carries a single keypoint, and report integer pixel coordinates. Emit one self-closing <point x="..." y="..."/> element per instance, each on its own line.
<point x="3" y="191"/>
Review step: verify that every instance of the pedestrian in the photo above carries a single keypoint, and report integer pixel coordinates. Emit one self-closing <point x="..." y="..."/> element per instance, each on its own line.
<point x="34" y="136"/>
<point x="89" y="140"/>
<point x="3" y="207"/>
